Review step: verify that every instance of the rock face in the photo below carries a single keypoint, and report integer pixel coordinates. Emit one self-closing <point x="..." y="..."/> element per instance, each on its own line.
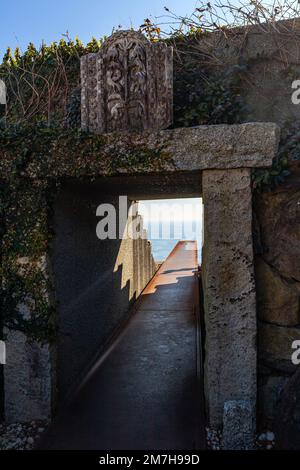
<point x="278" y="289"/>
<point x="287" y="423"/>
<point x="279" y="219"/>
<point x="269" y="389"/>
<point x="127" y="85"/>
<point x="278" y="299"/>
<point x="266" y="86"/>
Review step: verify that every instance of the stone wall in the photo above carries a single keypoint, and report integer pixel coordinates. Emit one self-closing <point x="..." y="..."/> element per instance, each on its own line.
<point x="273" y="60"/>
<point x="268" y="58"/>
<point x="278" y="289"/>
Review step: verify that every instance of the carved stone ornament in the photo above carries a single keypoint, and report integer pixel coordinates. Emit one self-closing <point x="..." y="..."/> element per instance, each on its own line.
<point x="127" y="85"/>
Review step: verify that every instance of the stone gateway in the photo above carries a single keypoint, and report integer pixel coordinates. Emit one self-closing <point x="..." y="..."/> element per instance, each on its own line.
<point x="126" y="96"/>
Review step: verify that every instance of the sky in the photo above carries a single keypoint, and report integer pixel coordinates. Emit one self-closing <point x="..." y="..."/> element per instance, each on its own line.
<point x="180" y="209"/>
<point x="24" y="21"/>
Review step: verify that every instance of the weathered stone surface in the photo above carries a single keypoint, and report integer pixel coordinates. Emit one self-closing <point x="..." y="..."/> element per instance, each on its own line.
<point x="28" y="379"/>
<point x="229" y="291"/>
<point x="287" y="423"/>
<point x="238" y="425"/>
<point x="275" y="346"/>
<point x="249" y="145"/>
<point x="127" y="85"/>
<point x="277" y="299"/>
<point x="224" y="146"/>
<point x="125" y="260"/>
<point x="267" y="49"/>
<point x="277" y="283"/>
<point x="279" y="219"/>
<point x="269" y="389"/>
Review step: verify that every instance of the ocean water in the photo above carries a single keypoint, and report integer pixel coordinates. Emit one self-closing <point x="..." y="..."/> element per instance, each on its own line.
<point x="168" y="221"/>
<point x="161" y="246"/>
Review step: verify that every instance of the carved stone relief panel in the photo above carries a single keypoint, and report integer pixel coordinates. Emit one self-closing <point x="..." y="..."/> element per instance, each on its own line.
<point x="127" y="85"/>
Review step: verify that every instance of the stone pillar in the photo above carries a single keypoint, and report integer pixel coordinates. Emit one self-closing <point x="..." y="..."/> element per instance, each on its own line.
<point x="229" y="292"/>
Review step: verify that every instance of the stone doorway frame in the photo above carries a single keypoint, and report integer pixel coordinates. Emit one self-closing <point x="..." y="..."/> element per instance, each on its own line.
<point x="224" y="155"/>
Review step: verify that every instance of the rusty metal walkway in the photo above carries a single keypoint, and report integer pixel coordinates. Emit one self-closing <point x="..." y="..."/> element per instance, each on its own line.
<point x="146" y="393"/>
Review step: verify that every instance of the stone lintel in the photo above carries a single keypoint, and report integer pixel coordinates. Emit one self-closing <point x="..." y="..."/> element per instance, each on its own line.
<point x="250" y="145"/>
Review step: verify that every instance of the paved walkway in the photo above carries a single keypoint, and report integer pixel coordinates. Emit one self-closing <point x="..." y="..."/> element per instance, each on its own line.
<point x="146" y="393"/>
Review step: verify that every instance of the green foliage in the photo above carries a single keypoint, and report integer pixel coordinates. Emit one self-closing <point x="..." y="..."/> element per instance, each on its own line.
<point x="25" y="286"/>
<point x="52" y="152"/>
<point x="207" y="99"/>
<point x="25" y="304"/>
<point x="41" y="83"/>
<point x="286" y="159"/>
<point x="73" y="117"/>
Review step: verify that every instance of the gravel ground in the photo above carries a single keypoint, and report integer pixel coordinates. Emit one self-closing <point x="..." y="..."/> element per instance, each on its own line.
<point x="263" y="441"/>
<point x="23" y="436"/>
<point x="213" y="439"/>
<point x="20" y="436"/>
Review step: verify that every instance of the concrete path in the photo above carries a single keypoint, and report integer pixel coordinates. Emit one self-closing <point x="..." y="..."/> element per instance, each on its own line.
<point x="146" y="393"/>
